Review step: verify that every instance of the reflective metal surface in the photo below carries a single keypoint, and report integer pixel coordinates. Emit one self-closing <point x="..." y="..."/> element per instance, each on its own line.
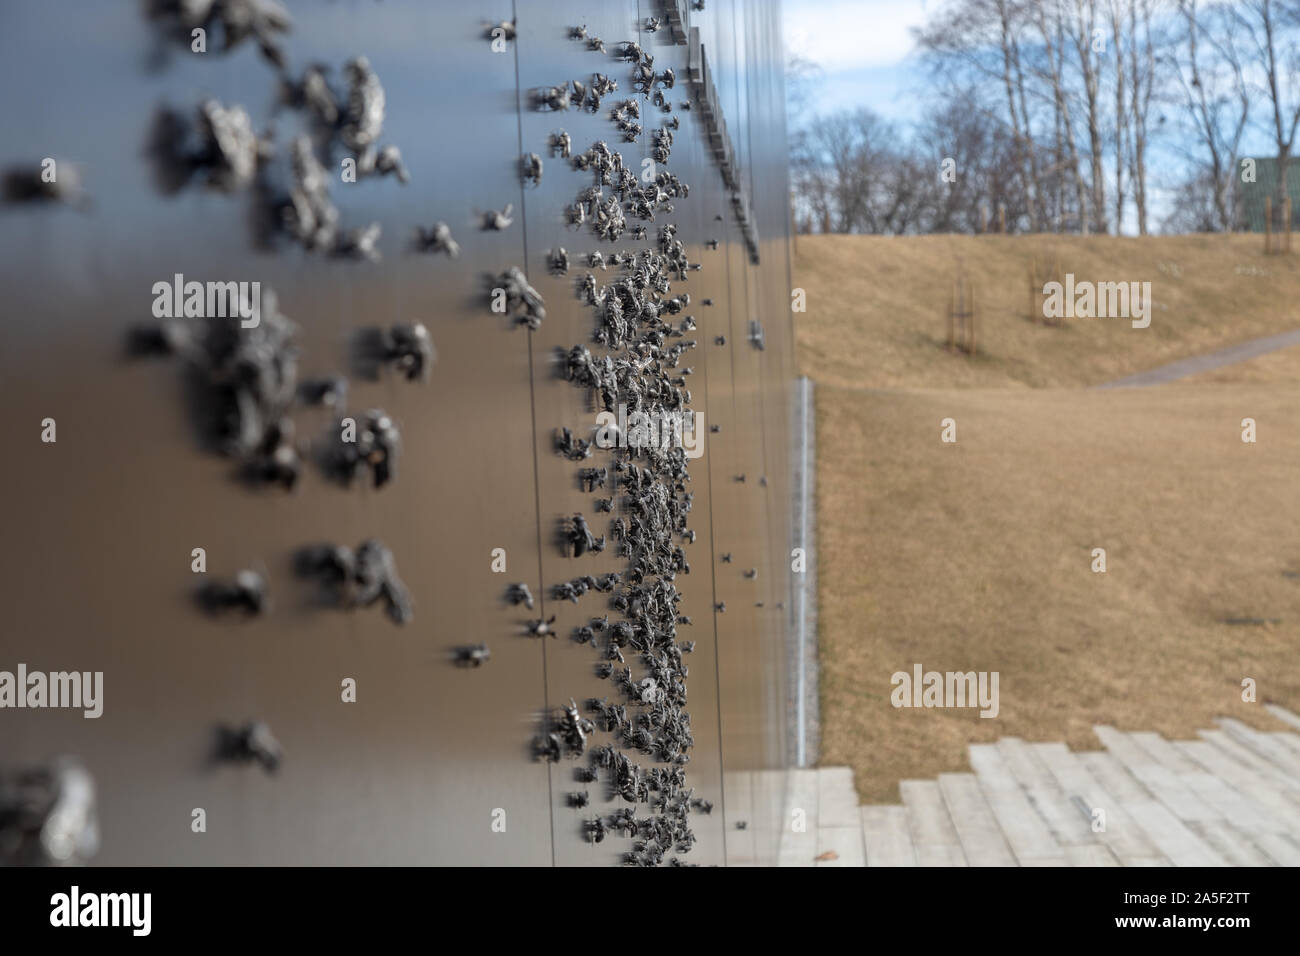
<point x="432" y="763"/>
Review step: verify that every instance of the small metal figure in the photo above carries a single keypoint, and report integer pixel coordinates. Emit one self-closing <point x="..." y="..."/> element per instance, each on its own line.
<point x="359" y="579"/>
<point x="507" y="28"/>
<point x="48" y="815"/>
<point x="387" y="161"/>
<point x="551" y="98"/>
<point x="251" y="742"/>
<point x="560" y="144"/>
<point x="558" y="262"/>
<point x="330" y="391"/>
<point x="579" y="538"/>
<point x="247" y="593"/>
<point x="26" y="184"/>
<point x="494" y="221"/>
<point x="549" y="748"/>
<point x="522" y="298"/>
<point x="541" y="628"/>
<point x="375" y="445"/>
<point x="572" y="447"/>
<point x="240" y="19"/>
<point x="275" y="460"/>
<point x="359" y="243"/>
<point x="578" y="800"/>
<point x="437" y="239"/>
<point x="530" y="168"/>
<point x="519" y="594"/>
<point x="473" y="655"/>
<point x="592" y="478"/>
<point x="407" y="348"/>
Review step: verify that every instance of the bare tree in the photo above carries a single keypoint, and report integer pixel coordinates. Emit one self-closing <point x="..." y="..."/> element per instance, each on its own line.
<point x="1115" y="11"/>
<point x="1049" y="18"/>
<point x="983" y="37"/>
<point x="1215" y="96"/>
<point x="1088" y="40"/>
<point x="1142" y="82"/>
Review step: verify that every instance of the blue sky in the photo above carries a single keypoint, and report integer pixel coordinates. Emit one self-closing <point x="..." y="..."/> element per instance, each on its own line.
<point x="865" y="49"/>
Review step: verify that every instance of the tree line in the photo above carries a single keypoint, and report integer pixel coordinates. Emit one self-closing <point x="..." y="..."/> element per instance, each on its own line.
<point x="1079" y="116"/>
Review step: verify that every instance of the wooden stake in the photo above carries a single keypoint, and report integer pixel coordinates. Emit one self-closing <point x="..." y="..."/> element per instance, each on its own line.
<point x="952" y="319"/>
<point x="1033" y="290"/>
<point x="1268" y="225"/>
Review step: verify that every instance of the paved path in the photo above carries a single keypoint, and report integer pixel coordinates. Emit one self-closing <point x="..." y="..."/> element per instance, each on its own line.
<point x="1229" y="798"/>
<point x="1203" y="363"/>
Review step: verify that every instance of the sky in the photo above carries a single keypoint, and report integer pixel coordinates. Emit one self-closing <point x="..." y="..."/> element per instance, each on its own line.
<point x="865" y="49"/>
<point x="867" y="55"/>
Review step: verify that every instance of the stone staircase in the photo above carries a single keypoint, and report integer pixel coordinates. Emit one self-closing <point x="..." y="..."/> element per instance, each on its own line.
<point x="1231" y="798"/>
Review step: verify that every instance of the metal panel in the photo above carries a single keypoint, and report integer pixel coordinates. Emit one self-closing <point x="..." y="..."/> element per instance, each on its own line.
<point x="102" y="522"/>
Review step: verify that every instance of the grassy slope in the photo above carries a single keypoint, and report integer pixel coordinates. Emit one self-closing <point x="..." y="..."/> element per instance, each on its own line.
<point x="877" y="307"/>
<point x="976" y="555"/>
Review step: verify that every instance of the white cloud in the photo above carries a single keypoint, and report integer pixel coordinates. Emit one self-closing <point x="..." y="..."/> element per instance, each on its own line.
<point x="851" y="34"/>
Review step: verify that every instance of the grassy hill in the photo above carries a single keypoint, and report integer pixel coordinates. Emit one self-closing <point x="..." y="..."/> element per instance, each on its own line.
<point x="977" y="555"/>
<point x="877" y="307"/>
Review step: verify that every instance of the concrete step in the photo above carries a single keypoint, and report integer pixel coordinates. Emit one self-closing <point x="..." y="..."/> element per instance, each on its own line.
<point x="886" y="837"/>
<point x="1030" y="837"/>
<point x="1163" y="784"/>
<point x="1231" y="798"/>
<point x="1070" y="826"/>
<point x="977" y="828"/>
<point x="798" y="846"/>
<point x="1118" y="831"/>
<point x="1283" y="812"/>
<point x="1284" y="715"/>
<point x="839" y="823"/>
<point x="930" y="825"/>
<point x="1179" y="844"/>
<point x="1263" y="744"/>
<point x="1245" y="755"/>
<point x="1232" y="805"/>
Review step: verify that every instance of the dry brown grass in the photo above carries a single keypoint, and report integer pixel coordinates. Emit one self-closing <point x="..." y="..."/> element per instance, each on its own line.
<point x="976" y="556"/>
<point x="877" y="307"/>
